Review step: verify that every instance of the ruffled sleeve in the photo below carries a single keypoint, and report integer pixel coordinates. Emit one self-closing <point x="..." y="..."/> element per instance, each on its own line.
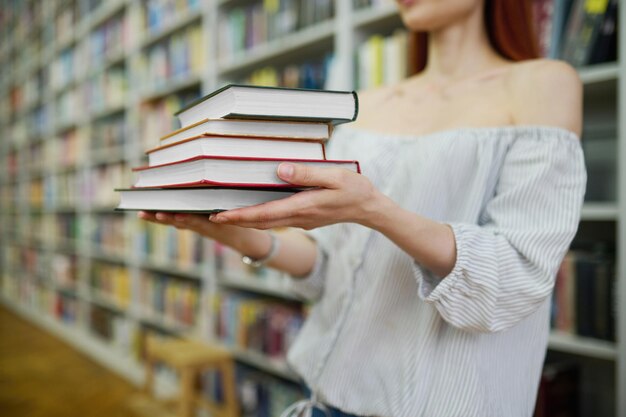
<point x="506" y="265"/>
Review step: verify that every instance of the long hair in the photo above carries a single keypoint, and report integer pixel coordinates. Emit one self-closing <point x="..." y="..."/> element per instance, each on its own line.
<point x="510" y="28"/>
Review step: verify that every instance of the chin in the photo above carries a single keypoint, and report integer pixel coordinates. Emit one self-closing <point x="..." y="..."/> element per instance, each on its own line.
<point x="430" y="15"/>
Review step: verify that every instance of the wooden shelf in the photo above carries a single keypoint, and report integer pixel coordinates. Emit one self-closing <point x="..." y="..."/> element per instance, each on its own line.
<point x="583" y="346"/>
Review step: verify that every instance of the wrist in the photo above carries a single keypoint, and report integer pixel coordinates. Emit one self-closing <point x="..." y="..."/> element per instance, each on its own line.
<point x="378" y="211"/>
<point x="253" y="243"/>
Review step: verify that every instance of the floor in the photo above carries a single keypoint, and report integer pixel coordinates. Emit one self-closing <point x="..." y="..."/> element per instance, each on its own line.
<point x="42" y="376"/>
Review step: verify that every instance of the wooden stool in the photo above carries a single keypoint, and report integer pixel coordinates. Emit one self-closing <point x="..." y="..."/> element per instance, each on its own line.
<point x="189" y="358"/>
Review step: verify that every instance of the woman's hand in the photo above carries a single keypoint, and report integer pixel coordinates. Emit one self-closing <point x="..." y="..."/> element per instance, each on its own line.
<point x="342" y="196"/>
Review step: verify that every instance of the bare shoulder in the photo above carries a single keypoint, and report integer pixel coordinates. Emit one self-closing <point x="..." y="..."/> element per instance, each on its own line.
<point x="546" y="92"/>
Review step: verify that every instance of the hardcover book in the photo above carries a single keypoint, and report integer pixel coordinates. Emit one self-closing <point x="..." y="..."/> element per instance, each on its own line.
<point x="272" y="103"/>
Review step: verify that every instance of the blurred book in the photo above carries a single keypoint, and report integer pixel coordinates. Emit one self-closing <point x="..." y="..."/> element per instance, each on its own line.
<point x="234" y="146"/>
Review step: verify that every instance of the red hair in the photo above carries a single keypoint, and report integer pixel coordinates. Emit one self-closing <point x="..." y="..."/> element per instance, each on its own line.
<point x="510" y="28"/>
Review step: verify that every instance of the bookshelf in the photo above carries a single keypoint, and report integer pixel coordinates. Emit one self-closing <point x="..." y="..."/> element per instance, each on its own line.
<point x="58" y="165"/>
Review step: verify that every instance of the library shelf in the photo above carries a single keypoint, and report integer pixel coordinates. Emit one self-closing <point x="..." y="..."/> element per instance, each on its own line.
<point x="600" y="211"/>
<point x="66" y="126"/>
<point x="106" y="255"/>
<point x="583" y="346"/>
<point x="192" y="273"/>
<point x="164" y="323"/>
<point x="80" y="339"/>
<point x="66" y="244"/>
<point x="75" y="82"/>
<point x="106" y="156"/>
<point x="593" y="74"/>
<point x="283" y="47"/>
<point x="102" y="299"/>
<point x="63" y="209"/>
<point x="108" y="111"/>
<point x="182" y="21"/>
<point x="67" y="290"/>
<point x="117" y="59"/>
<point x="172" y="86"/>
<point x="254" y="284"/>
<point x="105" y="11"/>
<point x="277" y="367"/>
<point x="367" y="17"/>
<point x="598" y="80"/>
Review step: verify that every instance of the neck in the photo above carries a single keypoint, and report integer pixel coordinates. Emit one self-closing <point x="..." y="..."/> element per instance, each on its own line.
<point x="460" y="50"/>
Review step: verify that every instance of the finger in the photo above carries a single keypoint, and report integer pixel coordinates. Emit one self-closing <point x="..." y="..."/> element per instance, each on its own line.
<point x="194" y="221"/>
<point x="151" y="217"/>
<point x="146" y="215"/>
<point x="285" y="222"/>
<point x="269" y="212"/>
<point x="299" y="174"/>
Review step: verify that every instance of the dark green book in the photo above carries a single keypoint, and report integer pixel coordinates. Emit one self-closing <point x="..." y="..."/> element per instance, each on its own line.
<point x="237" y="101"/>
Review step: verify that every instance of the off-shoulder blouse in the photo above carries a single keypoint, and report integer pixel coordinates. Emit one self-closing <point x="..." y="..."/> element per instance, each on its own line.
<point x="386" y="337"/>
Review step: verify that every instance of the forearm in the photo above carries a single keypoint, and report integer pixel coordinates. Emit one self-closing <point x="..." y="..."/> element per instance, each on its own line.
<point x="296" y="254"/>
<point x="430" y="243"/>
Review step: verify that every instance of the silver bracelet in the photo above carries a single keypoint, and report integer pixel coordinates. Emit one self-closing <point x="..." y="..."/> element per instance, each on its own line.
<point x="256" y="263"/>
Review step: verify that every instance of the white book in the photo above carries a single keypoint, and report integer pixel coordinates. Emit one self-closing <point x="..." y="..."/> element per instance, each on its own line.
<point x="196" y="199"/>
<point x="257" y="128"/>
<point x="274" y="103"/>
<point x="236" y="147"/>
<point x="225" y="172"/>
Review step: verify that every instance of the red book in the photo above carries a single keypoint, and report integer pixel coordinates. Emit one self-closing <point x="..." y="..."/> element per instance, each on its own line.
<point x="236" y="146"/>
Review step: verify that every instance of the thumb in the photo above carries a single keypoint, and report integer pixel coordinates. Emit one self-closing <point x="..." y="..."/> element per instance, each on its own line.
<point x="309" y="176"/>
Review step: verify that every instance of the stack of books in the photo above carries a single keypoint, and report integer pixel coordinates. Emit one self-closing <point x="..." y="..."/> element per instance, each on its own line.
<point x="231" y="143"/>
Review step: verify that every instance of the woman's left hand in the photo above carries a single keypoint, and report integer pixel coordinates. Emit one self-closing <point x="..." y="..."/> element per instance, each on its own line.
<point x="342" y="196"/>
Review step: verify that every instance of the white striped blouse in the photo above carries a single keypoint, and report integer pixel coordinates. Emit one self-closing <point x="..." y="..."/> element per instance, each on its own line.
<point x="387" y="337"/>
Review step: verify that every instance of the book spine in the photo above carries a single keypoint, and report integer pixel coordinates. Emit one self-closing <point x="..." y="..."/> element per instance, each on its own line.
<point x="178" y="57"/>
<point x="382" y="60"/>
<point x="111" y="283"/>
<point x="169" y="246"/>
<point x="249" y="26"/>
<point x="257" y="324"/>
<point x="312" y="74"/>
<point x="158" y="14"/>
<point x="169" y="299"/>
<point x="584" y="295"/>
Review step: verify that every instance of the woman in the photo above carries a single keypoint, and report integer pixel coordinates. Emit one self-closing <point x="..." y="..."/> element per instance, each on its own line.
<point x="433" y="280"/>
